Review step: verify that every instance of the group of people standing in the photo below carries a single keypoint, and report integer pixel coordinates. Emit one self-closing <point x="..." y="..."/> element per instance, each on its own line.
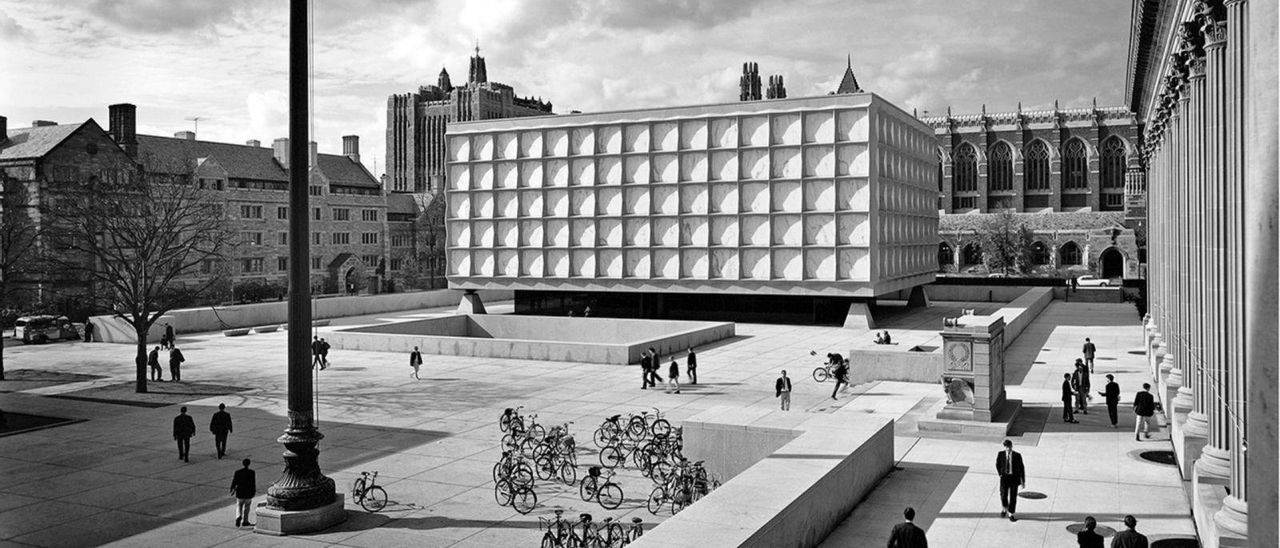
<point x="175" y="364"/>
<point x="1076" y="393"/>
<point x="651" y="362"/>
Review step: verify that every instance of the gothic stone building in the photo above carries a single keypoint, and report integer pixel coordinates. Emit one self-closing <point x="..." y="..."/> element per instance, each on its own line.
<point x="416" y="123"/>
<point x="1064" y="244"/>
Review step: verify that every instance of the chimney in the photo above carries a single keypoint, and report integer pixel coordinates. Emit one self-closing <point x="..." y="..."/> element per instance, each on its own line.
<point x="280" y="149"/>
<point x="122" y="121"/>
<point x="253" y="143"/>
<point x="351" y="147"/>
<point x="186" y="135"/>
<point x="4" y="128"/>
<point x="312" y="153"/>
<point x="42" y="123"/>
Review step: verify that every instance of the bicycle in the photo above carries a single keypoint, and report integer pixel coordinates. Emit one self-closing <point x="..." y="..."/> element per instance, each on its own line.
<point x="366" y="492"/>
<point x="634" y="532"/>
<point x="611" y="429"/>
<point x="645" y="425"/>
<point x="558" y="530"/>
<point x="518" y="496"/>
<point x="607" y="493"/>
<point x="513" y="467"/>
<point x="508" y="415"/>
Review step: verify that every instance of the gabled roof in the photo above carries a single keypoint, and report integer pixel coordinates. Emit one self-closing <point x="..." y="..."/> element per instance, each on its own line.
<point x="36" y="142"/>
<point x="401" y="203"/>
<point x="174" y="155"/>
<point x="344" y="171"/>
<point x="848" y="84"/>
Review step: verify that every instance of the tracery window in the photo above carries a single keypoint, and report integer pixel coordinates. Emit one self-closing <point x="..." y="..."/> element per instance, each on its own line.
<point x="1070" y="253"/>
<point x="1000" y="167"/>
<point x="1113" y="163"/>
<point x="965" y="168"/>
<point x="1075" y="165"/>
<point x="1036" y="165"/>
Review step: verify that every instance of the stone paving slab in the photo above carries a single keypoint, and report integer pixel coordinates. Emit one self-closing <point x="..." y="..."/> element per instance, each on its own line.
<point x="433" y="441"/>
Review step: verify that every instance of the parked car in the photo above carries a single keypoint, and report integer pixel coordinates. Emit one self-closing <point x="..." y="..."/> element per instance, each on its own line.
<point x="1089" y="280"/>
<point x="44" y="328"/>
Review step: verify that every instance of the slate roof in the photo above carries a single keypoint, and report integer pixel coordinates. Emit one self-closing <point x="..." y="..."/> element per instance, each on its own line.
<point x="848" y="84"/>
<point x="401" y="203"/>
<point x="1038" y="222"/>
<point x="35" y="142"/>
<point x="172" y="155"/>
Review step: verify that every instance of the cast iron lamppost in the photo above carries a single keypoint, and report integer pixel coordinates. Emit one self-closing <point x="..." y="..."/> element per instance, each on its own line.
<point x="303" y="499"/>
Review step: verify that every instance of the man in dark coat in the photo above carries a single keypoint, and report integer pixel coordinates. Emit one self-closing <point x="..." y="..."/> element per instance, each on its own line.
<point x="315" y="351"/>
<point x="1112" y="397"/>
<point x="906" y="534"/>
<point x="782" y="389"/>
<point x="1144" y="406"/>
<point x="183" y="429"/>
<point x="1068" y="399"/>
<point x="1089" y="352"/>
<point x="220" y="425"/>
<point x="415" y="361"/>
<point x="244" y="485"/>
<point x="175" y="363"/>
<point x="88" y="331"/>
<point x="654" y="365"/>
<point x="169" y="336"/>
<point x="324" y="354"/>
<point x="153" y="361"/>
<point x="1088" y="538"/>
<point x="1129" y="538"/>
<point x="692" y="366"/>
<point x="1080" y="384"/>
<point x="645" y="362"/>
<point x="1012" y="476"/>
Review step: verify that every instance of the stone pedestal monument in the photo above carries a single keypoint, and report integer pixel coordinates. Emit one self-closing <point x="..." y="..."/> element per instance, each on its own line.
<point x="973" y="379"/>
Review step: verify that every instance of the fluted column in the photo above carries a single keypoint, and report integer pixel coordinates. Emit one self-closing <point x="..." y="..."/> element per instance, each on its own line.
<point x="1176" y="339"/>
<point x="1260" y="240"/>
<point x="1215" y="458"/>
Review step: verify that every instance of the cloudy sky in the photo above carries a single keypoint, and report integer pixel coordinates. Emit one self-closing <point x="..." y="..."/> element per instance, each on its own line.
<point x="225" y="61"/>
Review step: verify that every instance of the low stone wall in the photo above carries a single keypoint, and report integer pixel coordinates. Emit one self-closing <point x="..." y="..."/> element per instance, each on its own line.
<point x="196" y="320"/>
<point x="115" y="330"/>
<point x="1019" y="313"/>
<point x="590" y="340"/>
<point x="813" y="481"/>
<point x="882" y="365"/>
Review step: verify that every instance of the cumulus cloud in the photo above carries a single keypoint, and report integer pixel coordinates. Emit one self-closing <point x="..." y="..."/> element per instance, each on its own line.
<point x="163" y="16"/>
<point x="10" y="30"/>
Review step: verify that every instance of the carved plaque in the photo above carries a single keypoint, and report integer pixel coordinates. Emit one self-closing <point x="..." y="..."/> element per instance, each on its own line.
<point x="959" y="356"/>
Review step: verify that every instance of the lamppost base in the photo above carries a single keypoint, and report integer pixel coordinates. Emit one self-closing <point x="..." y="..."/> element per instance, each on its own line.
<point x="277" y="522"/>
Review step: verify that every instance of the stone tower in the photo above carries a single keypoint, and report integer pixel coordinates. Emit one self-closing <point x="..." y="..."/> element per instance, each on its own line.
<point x="777" y="90"/>
<point x="749" y="84"/>
<point x="443" y="80"/>
<point x="478" y="74"/>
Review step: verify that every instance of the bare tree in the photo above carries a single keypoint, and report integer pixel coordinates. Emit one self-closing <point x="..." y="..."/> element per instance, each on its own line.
<point x="1006" y="244"/>
<point x="423" y="264"/>
<point x="145" y="244"/>
<point x="17" y="252"/>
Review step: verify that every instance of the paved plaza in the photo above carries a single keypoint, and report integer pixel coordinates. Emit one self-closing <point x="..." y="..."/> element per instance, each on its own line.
<point x="115" y="478"/>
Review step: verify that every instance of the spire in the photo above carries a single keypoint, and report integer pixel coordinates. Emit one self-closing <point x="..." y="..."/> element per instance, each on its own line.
<point x="849" y="62"/>
<point x="749" y="82"/>
<point x="848" y="84"/>
<point x="443" y="80"/>
<point x="478" y="73"/>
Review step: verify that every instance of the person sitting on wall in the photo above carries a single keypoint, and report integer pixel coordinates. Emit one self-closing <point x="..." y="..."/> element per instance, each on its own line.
<point x="887" y="338"/>
<point x="879" y="339"/>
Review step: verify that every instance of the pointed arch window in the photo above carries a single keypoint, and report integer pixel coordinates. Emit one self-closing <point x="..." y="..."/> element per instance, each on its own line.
<point x="1070" y="253"/>
<point x="965" y="169"/>
<point x="1075" y="165"/>
<point x="1036" y="164"/>
<point x="1039" y="253"/>
<point x="946" y="255"/>
<point x="1113" y="163"/>
<point x="1000" y="167"/>
<point x="941" y="161"/>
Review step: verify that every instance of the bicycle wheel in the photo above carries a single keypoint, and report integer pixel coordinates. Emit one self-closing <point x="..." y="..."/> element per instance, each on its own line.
<point x="536" y="431"/>
<point x="548" y="540"/>
<point x="357" y="488"/>
<point x="614" y="536"/>
<point x="504" y="422"/>
<point x="656" y="498"/>
<point x="611" y="457"/>
<point x="375" y="499"/>
<point x="527" y="446"/>
<point x="661" y="428"/>
<point x="587" y="490"/>
<point x="522" y="474"/>
<point x="603" y="437"/>
<point x="497" y="471"/>
<point x="820" y="374"/>
<point x="636" y="428"/>
<point x="525" y="500"/>
<point x="568" y="473"/>
<point x="545" y="468"/>
<point x="502" y="492"/>
<point x="610" y="496"/>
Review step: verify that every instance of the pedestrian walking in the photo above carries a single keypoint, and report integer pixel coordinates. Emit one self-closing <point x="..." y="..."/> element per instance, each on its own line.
<point x="88" y="331"/>
<point x="415" y="361"/>
<point x="1012" y="476"/>
<point x="691" y="364"/>
<point x="782" y="389"/>
<point x="645" y="362"/>
<point x="169" y="338"/>
<point x="673" y="376"/>
<point x="1080" y="383"/>
<point x="655" y="363"/>
<point x="315" y="351"/>
<point x="324" y="354"/>
<point x="1129" y="538"/>
<point x="1088" y="538"/>
<point x="244" y="485"/>
<point x="220" y="426"/>
<point x="906" y="534"/>
<point x="1089" y="352"/>
<point x="153" y="361"/>
<point x="1112" y="396"/>
<point x="1144" y="407"/>
<point x="841" y="375"/>
<point x="183" y="428"/>
<point x="175" y="363"/>
<point x="1068" y="399"/>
